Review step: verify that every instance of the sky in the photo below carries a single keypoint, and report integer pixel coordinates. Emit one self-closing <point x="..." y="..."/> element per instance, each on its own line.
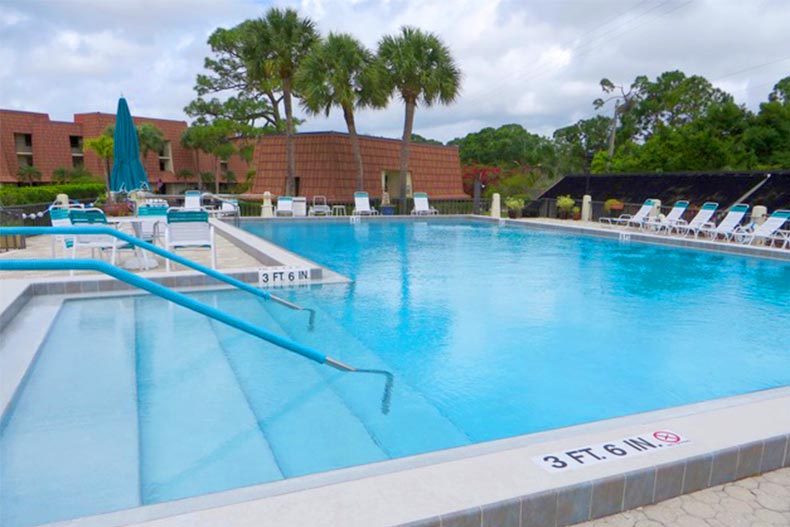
<point x="537" y="63"/>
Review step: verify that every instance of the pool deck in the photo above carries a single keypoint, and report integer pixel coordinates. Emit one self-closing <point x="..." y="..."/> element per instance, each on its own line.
<point x="710" y="476"/>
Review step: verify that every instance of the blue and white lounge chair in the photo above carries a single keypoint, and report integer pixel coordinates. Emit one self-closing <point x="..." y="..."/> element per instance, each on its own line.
<point x="769" y="232"/>
<point x="729" y="225"/>
<point x="285" y="206"/>
<point x="362" y="205"/>
<point x="627" y="219"/>
<point x="421" y="205"/>
<point x="699" y="221"/>
<point x="660" y="223"/>
<point x="189" y="228"/>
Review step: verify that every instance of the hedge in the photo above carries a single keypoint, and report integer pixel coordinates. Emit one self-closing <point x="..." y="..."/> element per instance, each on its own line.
<point x="48" y="193"/>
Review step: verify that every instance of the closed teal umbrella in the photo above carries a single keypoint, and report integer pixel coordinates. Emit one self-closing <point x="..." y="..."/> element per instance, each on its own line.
<point x="128" y="173"/>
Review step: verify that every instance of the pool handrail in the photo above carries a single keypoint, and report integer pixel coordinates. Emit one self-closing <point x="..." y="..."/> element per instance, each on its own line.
<point x="175" y="297"/>
<point x="128" y="238"/>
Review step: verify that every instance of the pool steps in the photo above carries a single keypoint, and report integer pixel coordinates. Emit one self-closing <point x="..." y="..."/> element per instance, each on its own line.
<point x="206" y="440"/>
<point x="408" y="405"/>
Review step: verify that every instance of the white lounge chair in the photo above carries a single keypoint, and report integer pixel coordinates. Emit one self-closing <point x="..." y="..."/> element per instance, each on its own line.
<point x="421" y="205"/>
<point x="189" y="228"/>
<point x="627" y="219"/>
<point x="285" y="206"/>
<point x="702" y="219"/>
<point x="769" y="232"/>
<point x="193" y="200"/>
<point x="320" y="207"/>
<point x="362" y="205"/>
<point x="729" y="225"/>
<point x="660" y="223"/>
<point x="93" y="217"/>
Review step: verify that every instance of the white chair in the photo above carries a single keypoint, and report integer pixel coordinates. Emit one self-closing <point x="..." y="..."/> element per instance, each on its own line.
<point x="320" y="207"/>
<point x="93" y="217"/>
<point x="627" y="219"/>
<point x="729" y="225"/>
<point x="769" y="232"/>
<point x="660" y="223"/>
<point x="153" y="220"/>
<point x="421" y="205"/>
<point x="285" y="206"/>
<point x="193" y="200"/>
<point x="59" y="217"/>
<point x="189" y="228"/>
<point x="702" y="219"/>
<point x="362" y="205"/>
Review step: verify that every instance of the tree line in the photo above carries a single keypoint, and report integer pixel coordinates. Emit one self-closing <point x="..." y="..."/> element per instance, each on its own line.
<point x="674" y="123"/>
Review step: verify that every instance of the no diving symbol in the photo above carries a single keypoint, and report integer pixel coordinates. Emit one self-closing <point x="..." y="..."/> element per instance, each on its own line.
<point x="666" y="437"/>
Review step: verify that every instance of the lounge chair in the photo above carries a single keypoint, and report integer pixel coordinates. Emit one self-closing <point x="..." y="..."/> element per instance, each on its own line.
<point x="660" y="223"/>
<point x="627" y="219"/>
<point x="421" y="205"/>
<point x="193" y="200"/>
<point x="702" y="219"/>
<point x="769" y="232"/>
<point x="362" y="205"/>
<point x="729" y="225"/>
<point x="285" y="206"/>
<point x="320" y="207"/>
<point x="93" y="217"/>
<point x="189" y="228"/>
<point x="153" y="222"/>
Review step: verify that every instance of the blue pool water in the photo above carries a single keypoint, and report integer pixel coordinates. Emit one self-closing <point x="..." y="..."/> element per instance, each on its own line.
<point x="490" y="332"/>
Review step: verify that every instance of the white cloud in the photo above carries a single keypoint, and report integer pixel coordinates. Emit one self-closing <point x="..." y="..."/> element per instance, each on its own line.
<point x="534" y="63"/>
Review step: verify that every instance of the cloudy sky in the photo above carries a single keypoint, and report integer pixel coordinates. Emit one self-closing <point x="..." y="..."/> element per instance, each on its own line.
<point x="532" y="62"/>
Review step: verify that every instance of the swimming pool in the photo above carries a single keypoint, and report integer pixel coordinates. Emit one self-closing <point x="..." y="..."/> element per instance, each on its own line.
<point x="491" y="332"/>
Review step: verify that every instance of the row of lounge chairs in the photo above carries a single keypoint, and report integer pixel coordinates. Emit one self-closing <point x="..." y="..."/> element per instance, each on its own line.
<point x="362" y="206"/>
<point x="731" y="228"/>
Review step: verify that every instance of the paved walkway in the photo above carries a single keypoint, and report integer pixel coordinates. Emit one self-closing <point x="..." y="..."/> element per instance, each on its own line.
<point x="762" y="501"/>
<point x="229" y="257"/>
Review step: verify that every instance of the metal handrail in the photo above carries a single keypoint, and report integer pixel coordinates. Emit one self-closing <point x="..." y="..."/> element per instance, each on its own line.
<point x="181" y="299"/>
<point x="175" y="297"/>
<point x="128" y="238"/>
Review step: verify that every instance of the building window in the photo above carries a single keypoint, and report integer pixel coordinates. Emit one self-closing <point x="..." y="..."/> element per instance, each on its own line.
<point x="77" y="156"/>
<point x="166" y="158"/>
<point x="24" y="149"/>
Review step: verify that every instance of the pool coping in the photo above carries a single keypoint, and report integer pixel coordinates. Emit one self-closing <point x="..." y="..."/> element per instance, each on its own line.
<point x="396" y="489"/>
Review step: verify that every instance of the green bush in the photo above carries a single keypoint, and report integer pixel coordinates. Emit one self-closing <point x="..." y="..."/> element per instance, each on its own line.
<point x="47" y="193"/>
<point x="565" y="203"/>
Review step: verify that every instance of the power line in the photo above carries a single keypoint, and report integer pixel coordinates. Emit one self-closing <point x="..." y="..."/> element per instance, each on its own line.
<point x="751" y="68"/>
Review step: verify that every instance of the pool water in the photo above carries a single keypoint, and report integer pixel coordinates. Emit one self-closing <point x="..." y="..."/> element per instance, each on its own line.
<point x="490" y="332"/>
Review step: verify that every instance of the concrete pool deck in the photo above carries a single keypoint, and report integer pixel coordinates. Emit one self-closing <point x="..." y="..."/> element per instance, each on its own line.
<point x="500" y="483"/>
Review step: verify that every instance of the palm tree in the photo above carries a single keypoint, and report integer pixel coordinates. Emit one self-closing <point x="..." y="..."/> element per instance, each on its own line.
<point x="419" y="66"/>
<point x="340" y="72"/>
<point x="102" y="146"/>
<point x="151" y="139"/>
<point x="28" y="174"/>
<point x="281" y="40"/>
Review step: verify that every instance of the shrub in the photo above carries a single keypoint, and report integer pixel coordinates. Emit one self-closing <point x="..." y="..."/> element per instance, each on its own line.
<point x="565" y="203"/>
<point x="48" y="193"/>
<point x="612" y="204"/>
